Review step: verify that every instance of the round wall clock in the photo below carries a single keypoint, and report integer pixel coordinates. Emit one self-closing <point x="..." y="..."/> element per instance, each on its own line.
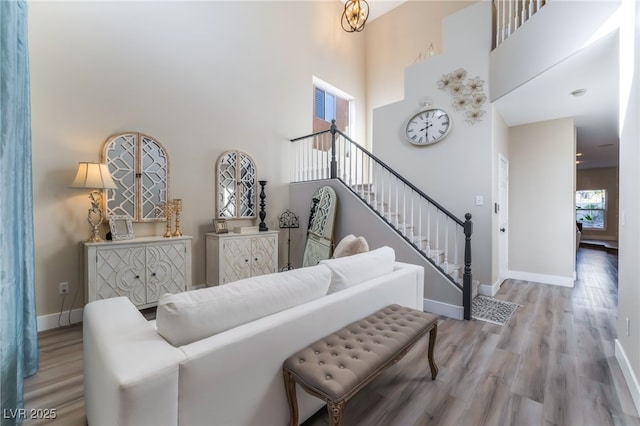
<point x="427" y="127"/>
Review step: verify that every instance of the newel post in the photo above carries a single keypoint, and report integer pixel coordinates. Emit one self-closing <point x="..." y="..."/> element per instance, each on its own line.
<point x="334" y="163"/>
<point x="466" y="276"/>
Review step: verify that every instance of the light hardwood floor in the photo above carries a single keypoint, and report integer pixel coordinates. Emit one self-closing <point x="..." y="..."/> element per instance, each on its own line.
<point x="553" y="364"/>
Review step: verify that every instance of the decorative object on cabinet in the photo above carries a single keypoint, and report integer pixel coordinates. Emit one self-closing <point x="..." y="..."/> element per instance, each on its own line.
<point x="220" y="226"/>
<point x="121" y="228"/>
<point x="140" y="166"/>
<point x="96" y="177"/>
<point x="355" y="15"/>
<point x="231" y="257"/>
<point x="246" y="229"/>
<point x="177" y="208"/>
<point x="467" y="96"/>
<point x="167" y="210"/>
<point x="235" y="186"/>
<point x="263" y="226"/>
<point x="320" y="233"/>
<point x="141" y="269"/>
<point x="289" y="220"/>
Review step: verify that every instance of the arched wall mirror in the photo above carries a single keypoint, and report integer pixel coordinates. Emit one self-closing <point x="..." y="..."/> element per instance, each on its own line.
<point x="236" y="186"/>
<point x="139" y="165"/>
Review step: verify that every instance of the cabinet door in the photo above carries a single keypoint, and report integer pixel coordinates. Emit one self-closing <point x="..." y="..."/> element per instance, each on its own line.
<point x="236" y="259"/>
<point x="121" y="272"/>
<point x="166" y="270"/>
<point x="262" y="254"/>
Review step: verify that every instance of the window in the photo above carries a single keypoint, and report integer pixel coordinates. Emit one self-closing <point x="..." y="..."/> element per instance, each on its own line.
<point x="325" y="105"/>
<point x="591" y="206"/>
<point x="331" y="103"/>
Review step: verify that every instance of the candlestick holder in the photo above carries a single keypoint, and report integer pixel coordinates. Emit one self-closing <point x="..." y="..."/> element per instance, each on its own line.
<point x="168" y="212"/>
<point x="177" y="208"/>
<point x="263" y="213"/>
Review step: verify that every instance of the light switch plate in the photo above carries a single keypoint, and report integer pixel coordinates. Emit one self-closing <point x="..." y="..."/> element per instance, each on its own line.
<point x="479" y="200"/>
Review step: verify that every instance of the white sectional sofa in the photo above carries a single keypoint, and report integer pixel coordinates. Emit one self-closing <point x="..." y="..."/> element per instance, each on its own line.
<point x="135" y="376"/>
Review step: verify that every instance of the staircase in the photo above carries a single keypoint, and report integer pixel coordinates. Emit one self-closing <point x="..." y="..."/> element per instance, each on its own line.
<point x="436" y="234"/>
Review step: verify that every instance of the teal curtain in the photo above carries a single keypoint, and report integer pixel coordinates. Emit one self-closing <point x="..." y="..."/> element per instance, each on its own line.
<point x="18" y="327"/>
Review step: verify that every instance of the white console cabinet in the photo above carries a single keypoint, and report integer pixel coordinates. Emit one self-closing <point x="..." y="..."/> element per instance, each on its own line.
<point x="141" y="269"/>
<point x="232" y="257"/>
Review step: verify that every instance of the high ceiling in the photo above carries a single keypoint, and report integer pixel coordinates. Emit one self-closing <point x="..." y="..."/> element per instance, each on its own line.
<point x="548" y="96"/>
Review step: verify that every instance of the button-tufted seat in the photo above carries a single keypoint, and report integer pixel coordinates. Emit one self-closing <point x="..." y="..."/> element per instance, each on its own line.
<point x="337" y="366"/>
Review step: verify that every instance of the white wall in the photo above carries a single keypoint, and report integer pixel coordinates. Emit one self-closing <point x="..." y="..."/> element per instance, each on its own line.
<point x="394" y="42"/>
<point x="542" y="227"/>
<point x="457" y="169"/>
<point x="628" y="345"/>
<point x="512" y="64"/>
<point x="201" y="77"/>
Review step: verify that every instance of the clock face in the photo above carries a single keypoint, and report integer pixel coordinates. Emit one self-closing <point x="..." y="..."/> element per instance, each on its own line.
<point x="427" y="127"/>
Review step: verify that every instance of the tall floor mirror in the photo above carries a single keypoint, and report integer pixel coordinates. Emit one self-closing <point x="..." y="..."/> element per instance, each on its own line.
<point x="322" y="215"/>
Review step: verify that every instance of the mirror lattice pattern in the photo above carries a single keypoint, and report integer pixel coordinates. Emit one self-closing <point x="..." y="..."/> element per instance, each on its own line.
<point x="120" y="157"/>
<point x="247" y="186"/>
<point x="227" y="185"/>
<point x="236" y="185"/>
<point x="153" y="182"/>
<point x="323" y="210"/>
<point x="139" y="166"/>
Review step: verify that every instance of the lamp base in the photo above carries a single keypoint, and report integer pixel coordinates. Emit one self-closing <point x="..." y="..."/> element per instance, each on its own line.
<point x="94" y="217"/>
<point x="95" y="235"/>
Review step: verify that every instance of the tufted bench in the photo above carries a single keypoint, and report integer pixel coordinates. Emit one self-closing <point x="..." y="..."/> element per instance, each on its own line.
<point x="337" y="366"/>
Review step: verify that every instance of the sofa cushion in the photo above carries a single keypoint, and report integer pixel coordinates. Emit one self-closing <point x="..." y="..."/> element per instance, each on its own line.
<point x="350" y="245"/>
<point x="353" y="270"/>
<point x="186" y="317"/>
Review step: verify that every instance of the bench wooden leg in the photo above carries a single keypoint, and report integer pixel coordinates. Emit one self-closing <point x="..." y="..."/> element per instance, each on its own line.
<point x="336" y="410"/>
<point x="290" y="388"/>
<point x="432" y="344"/>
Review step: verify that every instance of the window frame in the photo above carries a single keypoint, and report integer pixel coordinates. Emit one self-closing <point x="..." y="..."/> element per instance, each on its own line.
<point x="592" y="207"/>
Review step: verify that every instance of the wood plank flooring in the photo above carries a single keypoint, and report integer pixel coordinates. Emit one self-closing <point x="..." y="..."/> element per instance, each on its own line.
<point x="553" y="364"/>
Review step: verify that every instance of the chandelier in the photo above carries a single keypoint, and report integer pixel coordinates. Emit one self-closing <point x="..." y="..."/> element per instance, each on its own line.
<point x="355" y="15"/>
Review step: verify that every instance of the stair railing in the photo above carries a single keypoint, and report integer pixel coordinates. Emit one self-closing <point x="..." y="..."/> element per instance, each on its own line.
<point x="434" y="232"/>
<point x="509" y="15"/>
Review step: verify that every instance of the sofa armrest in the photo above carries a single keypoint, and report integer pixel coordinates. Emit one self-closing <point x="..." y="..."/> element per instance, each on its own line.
<point x="130" y="371"/>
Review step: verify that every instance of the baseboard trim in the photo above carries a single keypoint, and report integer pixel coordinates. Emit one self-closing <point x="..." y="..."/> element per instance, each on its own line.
<point x="629" y="376"/>
<point x="490" y="290"/>
<point x="445" y="309"/>
<point x="541" y="278"/>
<point x="47" y="322"/>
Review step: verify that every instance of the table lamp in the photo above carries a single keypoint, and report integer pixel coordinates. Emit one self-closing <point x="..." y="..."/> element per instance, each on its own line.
<point x="94" y="176"/>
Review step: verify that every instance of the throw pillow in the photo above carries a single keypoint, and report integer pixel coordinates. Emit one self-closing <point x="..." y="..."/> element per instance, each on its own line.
<point x="350" y="245"/>
<point x="190" y="316"/>
<point x="353" y="270"/>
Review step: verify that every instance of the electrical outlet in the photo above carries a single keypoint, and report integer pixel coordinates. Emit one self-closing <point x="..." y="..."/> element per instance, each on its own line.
<point x="63" y="288"/>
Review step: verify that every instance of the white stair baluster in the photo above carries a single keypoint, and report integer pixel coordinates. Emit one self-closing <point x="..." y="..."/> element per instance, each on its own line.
<point x="427" y="249"/>
<point x="446" y="245"/>
<point x="397" y="189"/>
<point x="412" y="223"/>
<point x="420" y="224"/>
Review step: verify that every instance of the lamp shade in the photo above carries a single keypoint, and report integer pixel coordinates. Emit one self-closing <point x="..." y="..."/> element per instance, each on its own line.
<point x="93" y="176"/>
